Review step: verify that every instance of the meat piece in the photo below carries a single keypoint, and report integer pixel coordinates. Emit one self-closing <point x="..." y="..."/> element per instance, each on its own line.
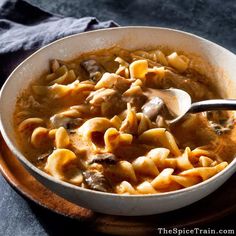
<point x="153" y="107"/>
<point x="109" y="100"/>
<point x="104" y="158"/>
<point x="134" y="95"/>
<point x="60" y="120"/>
<point x="111" y="80"/>
<point x="92" y="68"/>
<point x="101" y="95"/>
<point x="136" y="101"/>
<point x="96" y="181"/>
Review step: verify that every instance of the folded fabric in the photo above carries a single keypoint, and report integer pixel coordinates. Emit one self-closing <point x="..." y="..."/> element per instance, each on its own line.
<point x="24" y="28"/>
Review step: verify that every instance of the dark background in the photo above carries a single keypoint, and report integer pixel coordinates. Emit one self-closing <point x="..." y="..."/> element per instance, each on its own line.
<point x="212" y="19"/>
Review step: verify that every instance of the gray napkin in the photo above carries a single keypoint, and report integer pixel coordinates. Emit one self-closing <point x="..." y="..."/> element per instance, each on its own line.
<point x="24" y="28"/>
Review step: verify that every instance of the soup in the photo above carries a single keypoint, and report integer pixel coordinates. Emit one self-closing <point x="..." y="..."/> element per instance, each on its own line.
<point x="99" y="122"/>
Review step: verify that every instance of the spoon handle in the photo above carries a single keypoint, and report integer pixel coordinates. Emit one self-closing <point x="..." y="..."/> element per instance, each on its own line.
<point x="214" y="104"/>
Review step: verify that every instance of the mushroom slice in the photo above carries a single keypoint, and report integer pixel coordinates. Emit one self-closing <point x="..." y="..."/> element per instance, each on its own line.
<point x="60" y="120"/>
<point x="96" y="181"/>
<point x="153" y="107"/>
<point x="92" y="68"/>
<point x="43" y="157"/>
<point x="74" y="123"/>
<point x="104" y="158"/>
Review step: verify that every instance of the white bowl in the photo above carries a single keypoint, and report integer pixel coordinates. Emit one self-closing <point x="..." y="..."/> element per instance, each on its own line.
<point x="131" y="38"/>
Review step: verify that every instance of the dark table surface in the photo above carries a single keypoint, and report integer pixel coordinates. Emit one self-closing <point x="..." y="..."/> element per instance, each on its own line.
<point x="212" y="19"/>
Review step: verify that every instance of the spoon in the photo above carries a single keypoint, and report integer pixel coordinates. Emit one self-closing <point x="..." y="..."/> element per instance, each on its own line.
<point x="179" y="104"/>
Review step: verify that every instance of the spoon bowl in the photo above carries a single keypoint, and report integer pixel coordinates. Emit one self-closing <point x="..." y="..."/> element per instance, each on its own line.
<point x="179" y="104"/>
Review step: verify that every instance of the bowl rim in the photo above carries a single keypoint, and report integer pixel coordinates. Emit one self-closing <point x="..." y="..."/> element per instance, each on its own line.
<point x="39" y="172"/>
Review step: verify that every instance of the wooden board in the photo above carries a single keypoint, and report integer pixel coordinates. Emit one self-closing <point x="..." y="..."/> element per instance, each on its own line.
<point x="219" y="204"/>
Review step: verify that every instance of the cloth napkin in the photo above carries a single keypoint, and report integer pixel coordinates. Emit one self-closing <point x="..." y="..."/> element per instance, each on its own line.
<point x="24" y="28"/>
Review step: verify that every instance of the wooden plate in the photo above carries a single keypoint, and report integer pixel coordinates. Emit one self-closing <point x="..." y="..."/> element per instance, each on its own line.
<point x="220" y="203"/>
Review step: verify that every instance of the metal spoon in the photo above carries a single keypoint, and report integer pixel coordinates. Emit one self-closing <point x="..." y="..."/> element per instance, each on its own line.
<point x="179" y="104"/>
